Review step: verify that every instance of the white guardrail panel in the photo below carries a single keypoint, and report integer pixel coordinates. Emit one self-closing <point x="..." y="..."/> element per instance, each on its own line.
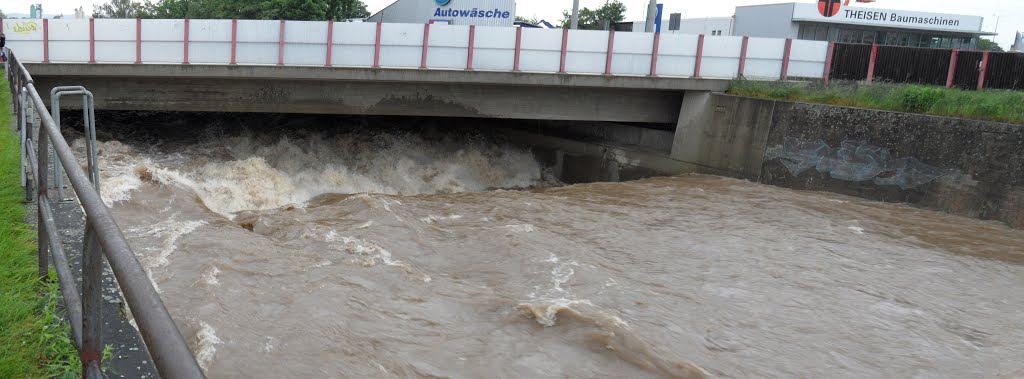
<point x="115" y="40"/>
<point x="632" y="53"/>
<point x="677" y="55"/>
<point x="401" y="46"/>
<point x="721" y="57"/>
<point x="305" y="43"/>
<point x="353" y="44"/>
<point x="494" y="48"/>
<point x="807" y="59"/>
<point x="209" y="41"/>
<point x="162" y="41"/>
<point x="69" y="41"/>
<point x="540" y="50"/>
<point x="449" y="46"/>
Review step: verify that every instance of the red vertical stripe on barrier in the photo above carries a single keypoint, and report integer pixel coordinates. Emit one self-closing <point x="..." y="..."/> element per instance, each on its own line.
<point x="92" y="40"/>
<point x="565" y="44"/>
<point x="871" y="63"/>
<point x="376" y="47"/>
<point x="186" y="41"/>
<point x="138" y="41"/>
<point x="786" y="53"/>
<point x="234" y="41"/>
<point x="700" y="55"/>
<point x="280" y="46"/>
<point x="426" y="45"/>
<point x="828" y="62"/>
<point x="743" y="57"/>
<point x="469" y="54"/>
<point x="46" y="41"/>
<point x="330" y="41"/>
<point x="611" y="50"/>
<point x="654" y="54"/>
<point x="519" y="42"/>
<point x="984" y="71"/>
<point x="952" y="67"/>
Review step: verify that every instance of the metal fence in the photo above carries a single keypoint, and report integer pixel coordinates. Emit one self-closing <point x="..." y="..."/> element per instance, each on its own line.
<point x="103" y="238"/>
<point x="966" y="69"/>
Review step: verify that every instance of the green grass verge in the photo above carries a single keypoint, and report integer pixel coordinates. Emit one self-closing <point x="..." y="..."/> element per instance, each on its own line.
<point x="34" y="338"/>
<point x="1002" y="106"/>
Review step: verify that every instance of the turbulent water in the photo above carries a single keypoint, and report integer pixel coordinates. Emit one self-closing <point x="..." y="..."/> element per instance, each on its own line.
<point x="402" y="255"/>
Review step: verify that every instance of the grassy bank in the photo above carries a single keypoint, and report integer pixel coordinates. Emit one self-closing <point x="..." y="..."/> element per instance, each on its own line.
<point x="34" y="338"/>
<point x="1003" y="106"/>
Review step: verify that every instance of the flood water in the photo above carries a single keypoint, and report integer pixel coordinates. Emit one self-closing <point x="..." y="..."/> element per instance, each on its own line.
<point x="390" y="254"/>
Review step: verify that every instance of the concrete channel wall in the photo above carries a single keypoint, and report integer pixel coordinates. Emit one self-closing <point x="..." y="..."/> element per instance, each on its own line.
<point x="966" y="167"/>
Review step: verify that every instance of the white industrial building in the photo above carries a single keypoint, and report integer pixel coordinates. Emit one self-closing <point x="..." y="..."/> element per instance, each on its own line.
<point x="454" y="12"/>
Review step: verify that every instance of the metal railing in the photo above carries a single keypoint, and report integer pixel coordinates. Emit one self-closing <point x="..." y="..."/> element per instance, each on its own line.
<point x="103" y="238"/>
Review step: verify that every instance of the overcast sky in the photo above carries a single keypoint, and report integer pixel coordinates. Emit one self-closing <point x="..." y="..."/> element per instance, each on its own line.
<point x="1010" y="13"/>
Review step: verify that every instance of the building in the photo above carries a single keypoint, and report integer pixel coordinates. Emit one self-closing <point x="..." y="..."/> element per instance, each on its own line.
<point x="455" y="12"/>
<point x="859" y="25"/>
<point x="711" y="26"/>
<point x="1018" y="44"/>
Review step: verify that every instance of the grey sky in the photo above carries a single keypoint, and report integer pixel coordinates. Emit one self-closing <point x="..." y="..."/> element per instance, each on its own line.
<point x="1010" y="13"/>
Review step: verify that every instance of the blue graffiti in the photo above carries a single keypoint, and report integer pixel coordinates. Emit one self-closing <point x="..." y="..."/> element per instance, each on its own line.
<point x="855" y="161"/>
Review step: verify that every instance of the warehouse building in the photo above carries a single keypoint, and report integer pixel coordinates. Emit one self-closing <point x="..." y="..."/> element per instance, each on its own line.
<point x="454" y="12"/>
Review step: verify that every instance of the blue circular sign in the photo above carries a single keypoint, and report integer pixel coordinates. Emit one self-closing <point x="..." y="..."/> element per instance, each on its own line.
<point x="442" y="3"/>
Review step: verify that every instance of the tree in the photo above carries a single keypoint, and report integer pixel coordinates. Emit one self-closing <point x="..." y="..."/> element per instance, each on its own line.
<point x="58" y="17"/>
<point x="531" y="21"/>
<point x="121" y="9"/>
<point x="2" y="14"/>
<point x="612" y="10"/>
<point x="989" y="46"/>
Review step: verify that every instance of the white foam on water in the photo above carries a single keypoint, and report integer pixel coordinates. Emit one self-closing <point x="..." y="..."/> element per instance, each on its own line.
<point x="205" y="341"/>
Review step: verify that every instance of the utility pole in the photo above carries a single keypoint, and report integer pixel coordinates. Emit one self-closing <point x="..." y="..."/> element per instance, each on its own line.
<point x="575" y="14"/>
<point x="652" y="16"/>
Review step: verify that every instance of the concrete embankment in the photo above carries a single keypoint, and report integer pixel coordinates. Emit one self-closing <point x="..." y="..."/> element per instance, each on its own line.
<point x="966" y="167"/>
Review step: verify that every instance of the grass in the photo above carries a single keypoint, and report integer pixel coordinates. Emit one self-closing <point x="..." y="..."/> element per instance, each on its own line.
<point x="34" y="338"/>
<point x="1002" y="106"/>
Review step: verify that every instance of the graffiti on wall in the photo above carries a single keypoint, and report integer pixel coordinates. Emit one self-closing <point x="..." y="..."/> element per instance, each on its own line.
<point x="855" y="161"/>
<point x="24" y="26"/>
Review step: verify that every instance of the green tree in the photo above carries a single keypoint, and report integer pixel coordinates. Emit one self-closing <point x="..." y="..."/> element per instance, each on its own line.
<point x="121" y="9"/>
<point x="531" y="21"/>
<point x="612" y="10"/>
<point x="2" y="14"/>
<point x="989" y="46"/>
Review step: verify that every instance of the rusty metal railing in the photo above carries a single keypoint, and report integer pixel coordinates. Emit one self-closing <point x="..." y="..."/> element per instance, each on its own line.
<point x="103" y="238"/>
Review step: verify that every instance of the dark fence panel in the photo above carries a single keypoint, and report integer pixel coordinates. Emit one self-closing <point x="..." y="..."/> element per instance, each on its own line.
<point x="912" y="65"/>
<point x="967" y="65"/>
<point x="927" y="66"/>
<point x="850" y="61"/>
<point x="1006" y="71"/>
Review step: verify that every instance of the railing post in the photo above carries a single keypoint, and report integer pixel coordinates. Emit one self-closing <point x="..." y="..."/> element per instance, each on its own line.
<point x="565" y="45"/>
<point x="786" y="53"/>
<point x="234" y="41"/>
<point x="952" y="67"/>
<point x="654" y="54"/>
<point x="138" y="41"/>
<point x="376" y="47"/>
<point x="469" y="53"/>
<point x="186" y="42"/>
<point x="46" y="40"/>
<point x="871" y="63"/>
<point x="330" y="41"/>
<point x="92" y="299"/>
<point x="700" y="55"/>
<point x="426" y="45"/>
<point x="24" y="138"/>
<point x="828" y="63"/>
<point x="984" y="71"/>
<point x="92" y="40"/>
<point x="743" y="57"/>
<point x="42" y="162"/>
<point x="280" y="46"/>
<point x="611" y="50"/>
<point x="519" y="44"/>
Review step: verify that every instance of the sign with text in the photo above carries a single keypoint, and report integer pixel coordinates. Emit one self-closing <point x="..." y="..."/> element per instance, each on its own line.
<point x="888" y="17"/>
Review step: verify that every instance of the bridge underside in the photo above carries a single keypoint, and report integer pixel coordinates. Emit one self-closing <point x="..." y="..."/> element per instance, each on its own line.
<point x="367" y="91"/>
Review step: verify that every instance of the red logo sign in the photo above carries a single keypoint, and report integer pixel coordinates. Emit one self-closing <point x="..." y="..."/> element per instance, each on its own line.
<point x="829" y="8"/>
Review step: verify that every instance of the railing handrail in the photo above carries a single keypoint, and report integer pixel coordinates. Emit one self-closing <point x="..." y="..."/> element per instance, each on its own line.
<point x="167" y="347"/>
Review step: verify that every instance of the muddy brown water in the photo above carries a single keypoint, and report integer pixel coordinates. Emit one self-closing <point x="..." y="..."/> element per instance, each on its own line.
<point x="394" y="256"/>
